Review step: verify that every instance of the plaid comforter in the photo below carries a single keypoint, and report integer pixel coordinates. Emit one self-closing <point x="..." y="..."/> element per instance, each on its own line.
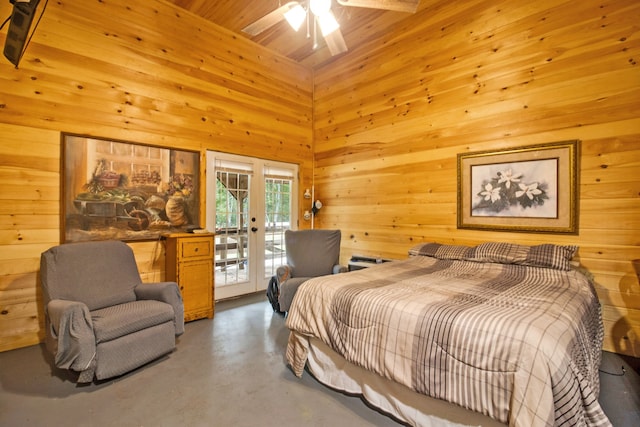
<point x="519" y="343"/>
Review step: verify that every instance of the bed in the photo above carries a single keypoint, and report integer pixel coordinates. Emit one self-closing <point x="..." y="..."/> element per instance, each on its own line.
<point x="510" y="332"/>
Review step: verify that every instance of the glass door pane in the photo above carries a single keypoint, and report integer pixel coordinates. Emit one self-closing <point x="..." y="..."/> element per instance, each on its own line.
<point x="232" y="210"/>
<point x="277" y="219"/>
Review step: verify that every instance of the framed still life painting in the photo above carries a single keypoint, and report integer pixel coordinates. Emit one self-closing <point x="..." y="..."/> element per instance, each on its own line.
<point x="528" y="189"/>
<point x="126" y="191"/>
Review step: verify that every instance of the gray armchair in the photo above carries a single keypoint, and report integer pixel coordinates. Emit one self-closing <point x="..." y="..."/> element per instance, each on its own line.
<point x="310" y="253"/>
<point x="100" y="318"/>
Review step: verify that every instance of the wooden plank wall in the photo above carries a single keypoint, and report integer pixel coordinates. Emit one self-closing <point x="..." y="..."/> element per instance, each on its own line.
<point x="143" y="72"/>
<point x="388" y="118"/>
<point x="465" y="76"/>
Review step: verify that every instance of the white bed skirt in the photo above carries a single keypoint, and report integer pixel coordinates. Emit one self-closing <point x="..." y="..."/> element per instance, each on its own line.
<point x="415" y="409"/>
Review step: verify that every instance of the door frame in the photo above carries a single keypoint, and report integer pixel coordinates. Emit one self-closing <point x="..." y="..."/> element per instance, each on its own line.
<point x="257" y="282"/>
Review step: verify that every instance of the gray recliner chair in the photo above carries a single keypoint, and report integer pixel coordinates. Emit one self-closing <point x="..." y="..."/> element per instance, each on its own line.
<point x="310" y="253"/>
<point x="101" y="320"/>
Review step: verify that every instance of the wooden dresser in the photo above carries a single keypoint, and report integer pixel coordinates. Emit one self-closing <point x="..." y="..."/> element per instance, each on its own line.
<point x="189" y="262"/>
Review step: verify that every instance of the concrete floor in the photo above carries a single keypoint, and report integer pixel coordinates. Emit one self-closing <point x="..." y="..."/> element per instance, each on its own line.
<point x="228" y="371"/>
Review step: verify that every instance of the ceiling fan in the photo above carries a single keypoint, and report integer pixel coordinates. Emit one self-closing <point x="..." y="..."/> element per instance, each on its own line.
<point x="317" y="13"/>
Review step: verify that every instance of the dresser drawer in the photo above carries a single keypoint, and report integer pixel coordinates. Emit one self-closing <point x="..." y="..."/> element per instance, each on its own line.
<point x="192" y="248"/>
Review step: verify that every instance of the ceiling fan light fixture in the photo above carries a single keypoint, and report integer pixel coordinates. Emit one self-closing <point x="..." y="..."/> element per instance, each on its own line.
<point x="295" y="16"/>
<point x="328" y="23"/>
<point x="325" y="21"/>
<point x="320" y="7"/>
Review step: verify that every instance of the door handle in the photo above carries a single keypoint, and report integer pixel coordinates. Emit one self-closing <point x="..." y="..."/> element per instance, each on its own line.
<point x="254" y="229"/>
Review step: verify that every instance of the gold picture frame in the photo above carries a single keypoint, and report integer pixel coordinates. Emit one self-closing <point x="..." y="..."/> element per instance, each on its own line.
<point x="526" y="189"/>
<point x="126" y="191"/>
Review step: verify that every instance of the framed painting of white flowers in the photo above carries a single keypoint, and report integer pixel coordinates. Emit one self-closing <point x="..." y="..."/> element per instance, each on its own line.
<point x="528" y="189"/>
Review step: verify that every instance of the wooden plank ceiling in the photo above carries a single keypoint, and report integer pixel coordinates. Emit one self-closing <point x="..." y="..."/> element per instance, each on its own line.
<point x="358" y="25"/>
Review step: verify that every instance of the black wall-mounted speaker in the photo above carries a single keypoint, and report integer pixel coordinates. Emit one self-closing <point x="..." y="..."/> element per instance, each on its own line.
<point x="21" y="19"/>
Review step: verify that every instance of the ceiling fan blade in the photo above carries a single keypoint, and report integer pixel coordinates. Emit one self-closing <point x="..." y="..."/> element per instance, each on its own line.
<point x="398" y="5"/>
<point x="335" y="42"/>
<point x="269" y="20"/>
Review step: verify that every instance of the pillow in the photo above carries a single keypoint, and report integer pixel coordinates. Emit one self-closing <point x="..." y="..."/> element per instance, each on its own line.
<point x="503" y="253"/>
<point x="546" y="255"/>
<point x="552" y="256"/>
<point x="440" y="251"/>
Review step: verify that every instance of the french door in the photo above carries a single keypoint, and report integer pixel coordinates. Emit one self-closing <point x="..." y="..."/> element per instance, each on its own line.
<point x="250" y="203"/>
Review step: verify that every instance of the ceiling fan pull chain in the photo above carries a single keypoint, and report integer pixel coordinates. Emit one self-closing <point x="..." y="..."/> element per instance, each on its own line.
<point x="315" y="32"/>
<point x="308" y="22"/>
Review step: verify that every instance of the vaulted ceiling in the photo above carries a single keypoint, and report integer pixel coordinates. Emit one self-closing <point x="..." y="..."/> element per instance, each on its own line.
<point x="358" y="25"/>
